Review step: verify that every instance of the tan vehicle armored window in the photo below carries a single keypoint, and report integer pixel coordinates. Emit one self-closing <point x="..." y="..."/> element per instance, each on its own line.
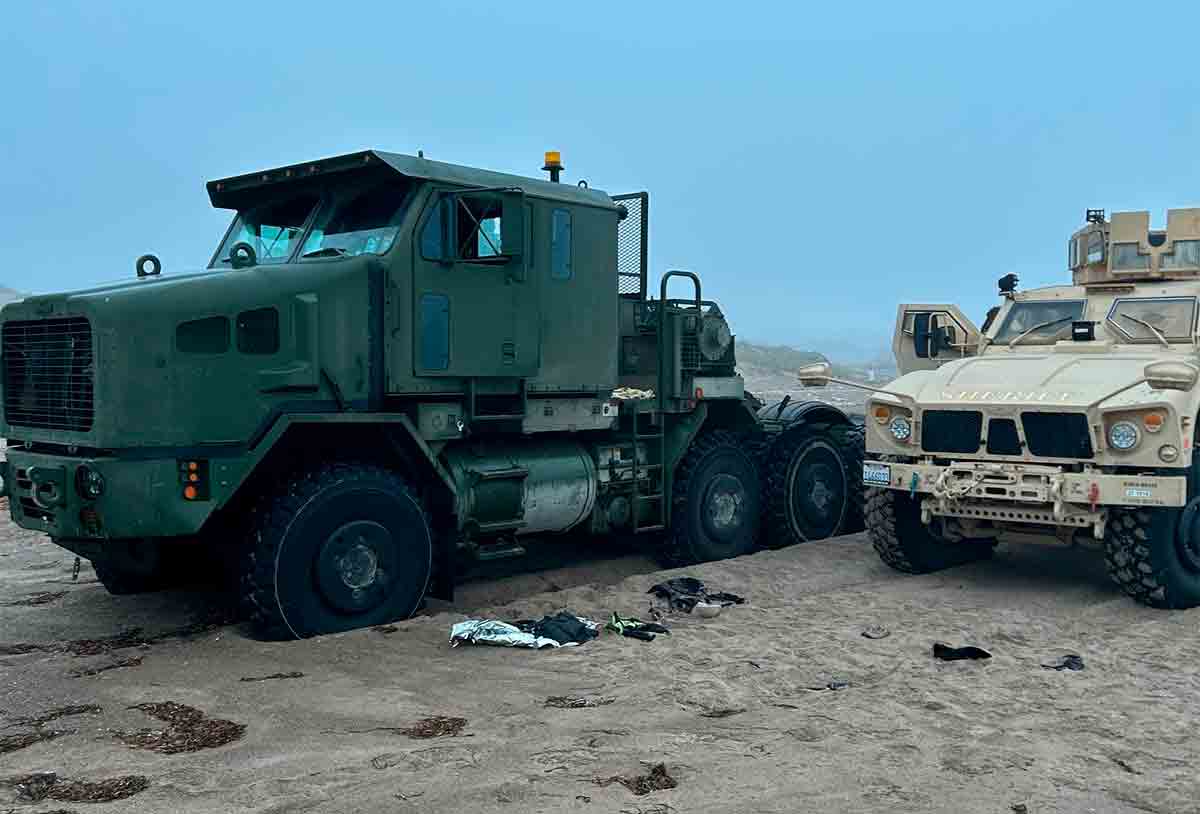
<point x="1039" y="321"/>
<point x="1185" y="254"/>
<point x="1137" y="319"/>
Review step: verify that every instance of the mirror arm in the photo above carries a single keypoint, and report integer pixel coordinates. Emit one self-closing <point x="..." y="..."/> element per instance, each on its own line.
<point x="908" y="400"/>
<point x="1117" y="392"/>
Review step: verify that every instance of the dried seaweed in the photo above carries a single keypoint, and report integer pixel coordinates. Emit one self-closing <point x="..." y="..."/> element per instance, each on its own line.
<point x="657" y="779"/>
<point x="83" y="672"/>
<point x="721" y="713"/>
<point x="577" y="702"/>
<point x="44" y="598"/>
<point x="273" y="677"/>
<point x="58" y="712"/>
<point x="101" y="791"/>
<point x="131" y="637"/>
<point x="435" y="727"/>
<point x="385" y="629"/>
<point x="11" y="743"/>
<point x="22" y="648"/>
<point x="188" y="730"/>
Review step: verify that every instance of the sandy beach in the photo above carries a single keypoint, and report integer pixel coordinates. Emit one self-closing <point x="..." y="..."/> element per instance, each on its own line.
<point x="738" y="708"/>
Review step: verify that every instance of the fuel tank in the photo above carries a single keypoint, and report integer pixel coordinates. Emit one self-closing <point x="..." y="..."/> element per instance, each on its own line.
<point x="507" y="487"/>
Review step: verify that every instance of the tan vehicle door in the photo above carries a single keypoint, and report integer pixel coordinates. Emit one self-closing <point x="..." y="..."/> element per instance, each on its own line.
<point x="929" y="335"/>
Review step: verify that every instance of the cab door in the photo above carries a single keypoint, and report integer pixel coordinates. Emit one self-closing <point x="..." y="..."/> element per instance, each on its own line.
<point x="929" y="335"/>
<point x="476" y="311"/>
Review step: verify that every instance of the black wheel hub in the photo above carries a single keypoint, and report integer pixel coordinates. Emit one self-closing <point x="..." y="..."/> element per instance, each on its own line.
<point x="817" y="493"/>
<point x="355" y="566"/>
<point x="724" y="512"/>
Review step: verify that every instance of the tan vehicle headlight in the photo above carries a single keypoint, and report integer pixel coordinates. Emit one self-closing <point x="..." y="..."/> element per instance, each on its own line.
<point x="901" y="429"/>
<point x="1124" y="435"/>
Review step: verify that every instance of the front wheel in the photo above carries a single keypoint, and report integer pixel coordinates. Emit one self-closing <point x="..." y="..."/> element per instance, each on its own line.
<point x="339" y="547"/>
<point x="1154" y="554"/>
<point x="715" y="502"/>
<point x="902" y="541"/>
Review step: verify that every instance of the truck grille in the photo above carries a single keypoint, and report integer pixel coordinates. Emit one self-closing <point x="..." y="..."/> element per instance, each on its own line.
<point x="1002" y="437"/>
<point x="48" y="373"/>
<point x="951" y="430"/>
<point x="1057" y="435"/>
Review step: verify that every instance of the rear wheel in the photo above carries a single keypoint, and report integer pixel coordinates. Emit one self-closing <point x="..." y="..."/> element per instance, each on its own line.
<point x="814" y="484"/>
<point x="893" y="520"/>
<point x="339" y="547"/>
<point x="716" y="502"/>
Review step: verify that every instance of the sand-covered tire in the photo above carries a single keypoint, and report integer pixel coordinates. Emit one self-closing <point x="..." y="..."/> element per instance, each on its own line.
<point x="813" y="484"/>
<point x="716" y="502"/>
<point x="339" y="546"/>
<point x="893" y="520"/>
<point x="1154" y="554"/>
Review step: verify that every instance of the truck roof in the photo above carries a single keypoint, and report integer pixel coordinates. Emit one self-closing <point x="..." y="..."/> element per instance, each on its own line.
<point x="228" y="193"/>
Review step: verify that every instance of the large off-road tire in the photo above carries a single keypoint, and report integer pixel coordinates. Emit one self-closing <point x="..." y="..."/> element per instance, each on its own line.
<point x="340" y="546"/>
<point x="716" y="502"/>
<point x="140" y="566"/>
<point x="850" y="439"/>
<point x="814" y="484"/>
<point x="905" y="543"/>
<point x="1154" y="554"/>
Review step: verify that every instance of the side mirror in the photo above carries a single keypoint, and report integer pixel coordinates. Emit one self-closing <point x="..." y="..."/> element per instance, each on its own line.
<point x="815" y="375"/>
<point x="946" y="337"/>
<point x="924" y="324"/>
<point x="1171" y="375"/>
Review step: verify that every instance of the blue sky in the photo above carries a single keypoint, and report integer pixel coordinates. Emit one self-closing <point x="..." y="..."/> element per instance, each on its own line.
<point x="815" y="163"/>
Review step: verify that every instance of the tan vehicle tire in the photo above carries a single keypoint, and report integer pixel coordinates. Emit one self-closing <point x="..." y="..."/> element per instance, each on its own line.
<point x="902" y="541"/>
<point x="1154" y="555"/>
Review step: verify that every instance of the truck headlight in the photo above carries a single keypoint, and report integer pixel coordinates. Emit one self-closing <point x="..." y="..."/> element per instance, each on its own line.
<point x="1168" y="453"/>
<point x="901" y="429"/>
<point x="1123" y="435"/>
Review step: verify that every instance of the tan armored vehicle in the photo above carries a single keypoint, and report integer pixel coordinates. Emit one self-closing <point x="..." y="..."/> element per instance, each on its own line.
<point x="1070" y="416"/>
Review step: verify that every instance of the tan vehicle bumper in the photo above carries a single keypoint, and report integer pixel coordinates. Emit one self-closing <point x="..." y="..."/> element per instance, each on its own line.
<point x="1024" y="493"/>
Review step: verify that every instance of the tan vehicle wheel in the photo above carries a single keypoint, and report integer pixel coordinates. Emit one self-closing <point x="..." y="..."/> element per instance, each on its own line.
<point x="905" y="543"/>
<point x="1154" y="554"/>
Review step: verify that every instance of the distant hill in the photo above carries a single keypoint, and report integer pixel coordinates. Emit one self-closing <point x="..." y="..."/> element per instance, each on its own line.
<point x="7" y="295"/>
<point x="770" y="373"/>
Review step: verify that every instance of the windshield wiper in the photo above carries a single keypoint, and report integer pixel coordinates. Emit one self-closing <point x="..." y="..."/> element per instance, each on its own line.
<point x="1157" y="333"/>
<point x="325" y="251"/>
<point x="1013" y="342"/>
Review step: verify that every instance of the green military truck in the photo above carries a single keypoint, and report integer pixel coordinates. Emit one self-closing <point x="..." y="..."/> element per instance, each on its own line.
<point x="392" y="363"/>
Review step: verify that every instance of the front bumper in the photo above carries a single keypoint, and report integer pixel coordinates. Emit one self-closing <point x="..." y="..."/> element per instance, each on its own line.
<point x="141" y="498"/>
<point x="1024" y="493"/>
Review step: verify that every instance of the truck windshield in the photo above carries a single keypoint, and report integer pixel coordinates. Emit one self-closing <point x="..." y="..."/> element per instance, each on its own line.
<point x="1050" y="317"/>
<point x="362" y="222"/>
<point x="273" y="228"/>
<point x="1173" y="317"/>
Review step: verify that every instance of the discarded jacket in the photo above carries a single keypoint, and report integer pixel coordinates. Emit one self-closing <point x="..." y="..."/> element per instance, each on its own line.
<point x="503" y="634"/>
<point x="684" y="592"/>
<point x="564" y="628"/>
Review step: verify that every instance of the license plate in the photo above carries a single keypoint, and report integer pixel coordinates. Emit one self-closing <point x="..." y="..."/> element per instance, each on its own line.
<point x="876" y="474"/>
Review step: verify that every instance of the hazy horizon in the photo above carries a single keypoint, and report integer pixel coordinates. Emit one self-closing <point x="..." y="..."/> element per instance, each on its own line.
<point x="815" y="170"/>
